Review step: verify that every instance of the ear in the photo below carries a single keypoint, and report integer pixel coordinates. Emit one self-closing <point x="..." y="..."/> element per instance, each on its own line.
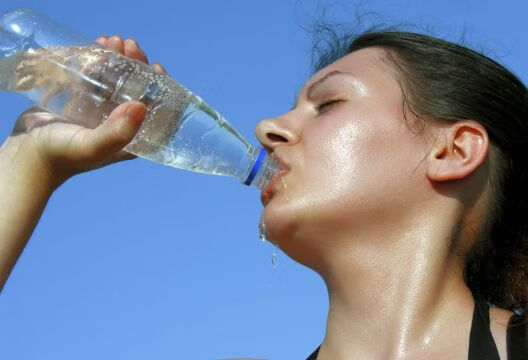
<point x="458" y="152"/>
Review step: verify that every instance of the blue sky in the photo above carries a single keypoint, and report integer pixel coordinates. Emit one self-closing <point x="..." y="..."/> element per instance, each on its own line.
<point x="143" y="261"/>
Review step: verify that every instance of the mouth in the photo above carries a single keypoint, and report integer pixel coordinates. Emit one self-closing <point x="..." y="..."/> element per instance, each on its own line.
<point x="271" y="189"/>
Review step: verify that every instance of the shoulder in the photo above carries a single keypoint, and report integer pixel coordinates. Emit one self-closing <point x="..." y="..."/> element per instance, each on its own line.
<point x="500" y="317"/>
<point x="499" y="320"/>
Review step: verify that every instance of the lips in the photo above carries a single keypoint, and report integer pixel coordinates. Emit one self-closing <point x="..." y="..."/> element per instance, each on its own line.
<point x="270" y="189"/>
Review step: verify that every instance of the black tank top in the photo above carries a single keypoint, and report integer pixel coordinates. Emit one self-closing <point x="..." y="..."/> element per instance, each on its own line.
<point x="481" y="343"/>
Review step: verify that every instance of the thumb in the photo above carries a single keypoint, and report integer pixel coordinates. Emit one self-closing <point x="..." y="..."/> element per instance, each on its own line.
<point x="117" y="131"/>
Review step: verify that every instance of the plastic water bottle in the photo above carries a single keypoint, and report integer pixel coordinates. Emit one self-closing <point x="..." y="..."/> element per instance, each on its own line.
<point x="72" y="76"/>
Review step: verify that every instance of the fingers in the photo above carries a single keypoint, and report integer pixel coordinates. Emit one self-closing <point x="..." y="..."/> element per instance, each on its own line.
<point x="159" y="68"/>
<point x="113" y="43"/>
<point x="116" y="43"/>
<point x="133" y="51"/>
<point x="102" y="40"/>
<point x="128" y="47"/>
<point x="116" y="132"/>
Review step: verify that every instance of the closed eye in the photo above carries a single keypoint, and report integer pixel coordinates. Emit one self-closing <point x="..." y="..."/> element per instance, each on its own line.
<point x="327" y="105"/>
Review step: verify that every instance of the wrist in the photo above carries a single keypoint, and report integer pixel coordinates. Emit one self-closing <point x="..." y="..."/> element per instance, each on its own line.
<point x="25" y="187"/>
<point x="23" y="163"/>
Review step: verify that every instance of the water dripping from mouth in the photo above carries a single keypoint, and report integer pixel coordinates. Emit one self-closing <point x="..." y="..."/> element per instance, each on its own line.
<point x="262" y="237"/>
<point x="262" y="230"/>
<point x="283" y="181"/>
<point x="275" y="257"/>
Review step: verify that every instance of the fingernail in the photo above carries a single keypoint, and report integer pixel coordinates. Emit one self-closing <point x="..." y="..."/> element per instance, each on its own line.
<point x="158" y="68"/>
<point x="131" y="42"/>
<point x="135" y="42"/>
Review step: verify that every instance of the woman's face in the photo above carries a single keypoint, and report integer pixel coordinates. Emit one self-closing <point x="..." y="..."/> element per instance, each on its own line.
<point x="348" y="155"/>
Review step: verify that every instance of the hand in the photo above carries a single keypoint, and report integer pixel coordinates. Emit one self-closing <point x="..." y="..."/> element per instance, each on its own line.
<point x="129" y="48"/>
<point x="65" y="149"/>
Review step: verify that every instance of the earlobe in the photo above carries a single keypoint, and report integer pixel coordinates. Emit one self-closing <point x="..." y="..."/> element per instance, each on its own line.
<point x="458" y="152"/>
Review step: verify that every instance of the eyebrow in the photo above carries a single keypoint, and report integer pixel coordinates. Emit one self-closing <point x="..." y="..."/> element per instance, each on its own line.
<point x="313" y="86"/>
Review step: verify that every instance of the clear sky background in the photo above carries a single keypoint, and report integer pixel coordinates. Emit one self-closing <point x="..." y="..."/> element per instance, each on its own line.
<point x="143" y="261"/>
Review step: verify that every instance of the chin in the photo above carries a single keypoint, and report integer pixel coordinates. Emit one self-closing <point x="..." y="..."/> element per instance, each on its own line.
<point x="302" y="228"/>
<point x="288" y="227"/>
<point x="280" y="223"/>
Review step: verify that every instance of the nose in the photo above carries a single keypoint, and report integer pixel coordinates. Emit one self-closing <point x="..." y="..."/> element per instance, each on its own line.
<point x="275" y="132"/>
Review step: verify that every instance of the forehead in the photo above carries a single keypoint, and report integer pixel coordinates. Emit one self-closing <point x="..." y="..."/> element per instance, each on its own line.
<point x="367" y="65"/>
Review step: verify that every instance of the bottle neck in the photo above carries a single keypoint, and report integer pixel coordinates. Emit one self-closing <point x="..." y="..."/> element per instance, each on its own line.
<point x="262" y="170"/>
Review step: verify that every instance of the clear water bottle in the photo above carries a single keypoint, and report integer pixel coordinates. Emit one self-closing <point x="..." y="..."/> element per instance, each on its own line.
<point x="72" y="76"/>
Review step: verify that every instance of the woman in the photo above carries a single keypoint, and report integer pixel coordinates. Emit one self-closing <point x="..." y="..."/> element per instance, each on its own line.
<point x="403" y="188"/>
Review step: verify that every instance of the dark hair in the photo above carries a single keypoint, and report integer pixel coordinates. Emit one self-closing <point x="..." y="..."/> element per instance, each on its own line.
<point x="445" y="81"/>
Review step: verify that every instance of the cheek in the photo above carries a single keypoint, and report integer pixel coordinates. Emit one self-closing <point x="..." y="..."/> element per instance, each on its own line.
<point x="333" y="166"/>
<point x="321" y="185"/>
<point x="358" y="166"/>
<point x="350" y="174"/>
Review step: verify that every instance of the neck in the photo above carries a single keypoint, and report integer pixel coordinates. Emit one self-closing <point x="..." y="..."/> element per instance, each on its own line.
<point x="393" y="299"/>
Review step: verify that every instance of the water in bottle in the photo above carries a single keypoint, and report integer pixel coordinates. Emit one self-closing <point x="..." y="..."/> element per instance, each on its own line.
<point x="84" y="83"/>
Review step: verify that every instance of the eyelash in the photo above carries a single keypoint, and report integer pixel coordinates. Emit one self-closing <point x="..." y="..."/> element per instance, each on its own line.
<point x="321" y="108"/>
